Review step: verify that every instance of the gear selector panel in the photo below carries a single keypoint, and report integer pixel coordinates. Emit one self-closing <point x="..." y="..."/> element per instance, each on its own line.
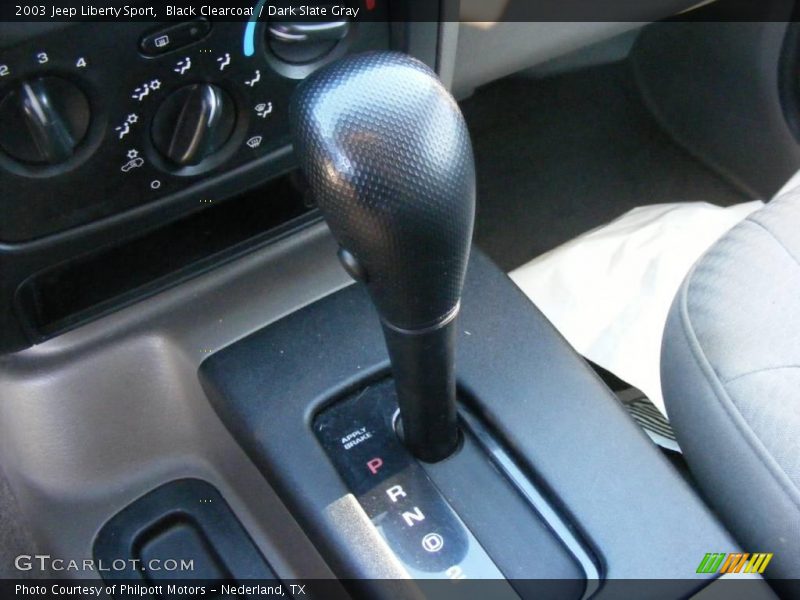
<point x="414" y="518"/>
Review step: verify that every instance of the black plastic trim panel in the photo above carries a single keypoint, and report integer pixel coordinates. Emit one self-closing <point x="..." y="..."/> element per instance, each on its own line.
<point x="564" y="428"/>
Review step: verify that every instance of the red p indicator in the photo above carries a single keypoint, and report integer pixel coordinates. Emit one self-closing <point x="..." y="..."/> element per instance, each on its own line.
<point x="374" y="465"/>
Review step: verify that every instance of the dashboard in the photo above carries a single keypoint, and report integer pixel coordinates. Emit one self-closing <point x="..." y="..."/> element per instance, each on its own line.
<point x="131" y="115"/>
<point x="120" y="142"/>
<point x="135" y="155"/>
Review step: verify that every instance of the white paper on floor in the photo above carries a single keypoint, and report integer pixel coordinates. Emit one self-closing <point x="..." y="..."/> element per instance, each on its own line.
<point x="609" y="291"/>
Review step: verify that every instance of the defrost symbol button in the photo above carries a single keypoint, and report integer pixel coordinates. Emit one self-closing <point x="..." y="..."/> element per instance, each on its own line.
<point x="174" y="37"/>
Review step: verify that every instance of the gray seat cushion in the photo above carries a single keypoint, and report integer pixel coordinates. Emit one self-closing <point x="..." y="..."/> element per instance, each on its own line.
<point x="730" y="370"/>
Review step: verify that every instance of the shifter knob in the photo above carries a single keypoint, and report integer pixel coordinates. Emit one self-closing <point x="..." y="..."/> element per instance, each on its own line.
<point x="387" y="156"/>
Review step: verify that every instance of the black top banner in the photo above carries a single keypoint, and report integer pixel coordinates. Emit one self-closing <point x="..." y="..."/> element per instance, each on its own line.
<point x="66" y="11"/>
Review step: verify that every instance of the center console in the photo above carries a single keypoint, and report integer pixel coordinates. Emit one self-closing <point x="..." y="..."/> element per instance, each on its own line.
<point x="552" y="478"/>
<point x="484" y="447"/>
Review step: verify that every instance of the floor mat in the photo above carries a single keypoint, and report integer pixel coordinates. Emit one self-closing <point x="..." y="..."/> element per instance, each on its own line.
<point x="559" y="156"/>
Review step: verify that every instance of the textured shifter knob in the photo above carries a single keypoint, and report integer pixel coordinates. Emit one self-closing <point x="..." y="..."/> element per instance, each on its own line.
<point x="388" y="158"/>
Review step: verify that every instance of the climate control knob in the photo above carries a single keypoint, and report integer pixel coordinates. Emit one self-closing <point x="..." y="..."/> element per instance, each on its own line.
<point x="43" y="120"/>
<point x="193" y="123"/>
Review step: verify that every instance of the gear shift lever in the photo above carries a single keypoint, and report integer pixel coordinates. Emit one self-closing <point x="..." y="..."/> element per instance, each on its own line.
<point x="388" y="158"/>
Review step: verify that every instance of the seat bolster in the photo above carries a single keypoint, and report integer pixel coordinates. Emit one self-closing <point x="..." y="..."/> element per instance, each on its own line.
<point x="759" y="502"/>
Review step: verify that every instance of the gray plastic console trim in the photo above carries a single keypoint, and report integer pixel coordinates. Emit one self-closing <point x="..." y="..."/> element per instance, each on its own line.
<point x="97" y="417"/>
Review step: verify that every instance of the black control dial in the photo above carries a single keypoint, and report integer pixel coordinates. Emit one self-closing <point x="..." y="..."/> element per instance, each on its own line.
<point x="193" y="123"/>
<point x="43" y="120"/>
